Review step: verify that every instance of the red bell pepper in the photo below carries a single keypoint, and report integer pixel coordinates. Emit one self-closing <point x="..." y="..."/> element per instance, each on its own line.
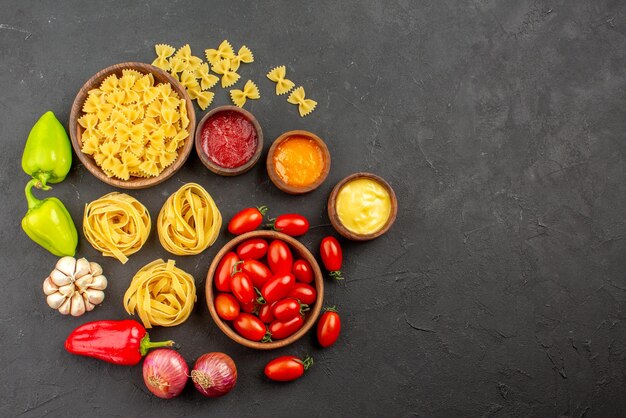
<point x="119" y="342"/>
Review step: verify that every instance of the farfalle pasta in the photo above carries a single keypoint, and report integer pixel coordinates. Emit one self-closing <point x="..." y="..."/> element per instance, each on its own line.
<point x="117" y="225"/>
<point x="189" y="221"/>
<point x="163" y="52"/>
<point x="305" y="106"/>
<point x="243" y="55"/>
<point x="132" y="127"/>
<point x="223" y="52"/>
<point x="250" y="91"/>
<point x="229" y="76"/>
<point x="277" y="75"/>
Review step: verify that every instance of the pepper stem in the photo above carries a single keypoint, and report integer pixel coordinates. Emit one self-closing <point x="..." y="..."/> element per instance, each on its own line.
<point x="33" y="202"/>
<point x="146" y="344"/>
<point x="43" y="180"/>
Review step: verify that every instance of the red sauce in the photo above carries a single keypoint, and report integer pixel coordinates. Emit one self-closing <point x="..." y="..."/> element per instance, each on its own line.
<point x="229" y="139"/>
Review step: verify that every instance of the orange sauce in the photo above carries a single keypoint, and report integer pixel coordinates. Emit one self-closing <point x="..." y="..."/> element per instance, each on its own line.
<point x="299" y="161"/>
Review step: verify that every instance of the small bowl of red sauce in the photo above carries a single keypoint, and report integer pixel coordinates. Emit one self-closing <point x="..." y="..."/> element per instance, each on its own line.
<point x="229" y="140"/>
<point x="298" y="162"/>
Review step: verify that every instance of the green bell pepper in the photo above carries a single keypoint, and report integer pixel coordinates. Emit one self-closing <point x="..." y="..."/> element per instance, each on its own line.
<point x="48" y="153"/>
<point x="49" y="224"/>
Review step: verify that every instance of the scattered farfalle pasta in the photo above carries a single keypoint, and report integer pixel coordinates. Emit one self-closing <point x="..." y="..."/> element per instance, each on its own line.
<point x="250" y="91"/>
<point x="161" y="294"/>
<point x="229" y="76"/>
<point x="277" y="75"/>
<point x="129" y="121"/>
<point x="207" y="80"/>
<point x="163" y="52"/>
<point x="117" y="225"/>
<point x="244" y="55"/>
<point x="189" y="221"/>
<point x="305" y="106"/>
<point x="223" y="52"/>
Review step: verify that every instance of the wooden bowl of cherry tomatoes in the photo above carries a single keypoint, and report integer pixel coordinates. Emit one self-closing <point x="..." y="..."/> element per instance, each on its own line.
<point x="264" y="289"/>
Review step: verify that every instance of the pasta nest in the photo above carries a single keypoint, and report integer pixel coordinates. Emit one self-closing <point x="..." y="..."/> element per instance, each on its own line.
<point x="117" y="225"/>
<point x="161" y="294"/>
<point x="189" y="221"/>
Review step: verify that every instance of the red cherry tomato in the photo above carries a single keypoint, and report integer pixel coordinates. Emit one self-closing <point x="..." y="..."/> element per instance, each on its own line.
<point x="302" y="271"/>
<point x="278" y="288"/>
<point x="291" y="224"/>
<point x="242" y="288"/>
<point x="328" y="327"/>
<point x="253" y="248"/>
<point x="224" y="271"/>
<point x="282" y="329"/>
<point x="246" y="220"/>
<point x="279" y="258"/>
<point x="304" y="293"/>
<point x="249" y="326"/>
<point x="257" y="272"/>
<point x="287" y="368"/>
<point x="332" y="256"/>
<point x="286" y="309"/>
<point x="249" y="307"/>
<point x="265" y="313"/>
<point x="227" y="306"/>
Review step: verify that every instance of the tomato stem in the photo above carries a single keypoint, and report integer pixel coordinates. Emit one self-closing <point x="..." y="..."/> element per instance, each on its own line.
<point x="235" y="270"/>
<point x="260" y="299"/>
<point x="303" y="308"/>
<point x="307" y="362"/>
<point x="330" y="309"/>
<point x="267" y="338"/>
<point x="337" y="275"/>
<point x="262" y="209"/>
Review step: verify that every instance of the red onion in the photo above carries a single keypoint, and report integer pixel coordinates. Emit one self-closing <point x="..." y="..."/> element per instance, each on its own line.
<point x="214" y="374"/>
<point x="165" y="373"/>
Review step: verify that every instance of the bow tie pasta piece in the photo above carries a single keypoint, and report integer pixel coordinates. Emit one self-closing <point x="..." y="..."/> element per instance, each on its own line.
<point x="188" y="80"/>
<point x="163" y="52"/>
<point x="207" y="80"/>
<point x="204" y="99"/>
<point x="176" y="66"/>
<point x="250" y="91"/>
<point x="305" y="106"/>
<point x="277" y="75"/>
<point x="244" y="55"/>
<point x="161" y="294"/>
<point x="189" y="62"/>
<point x="224" y="51"/>
<point x="229" y="77"/>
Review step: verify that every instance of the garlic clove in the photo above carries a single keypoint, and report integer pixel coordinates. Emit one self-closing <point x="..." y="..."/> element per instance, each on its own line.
<point x="99" y="283"/>
<point x="78" y="305"/>
<point x="95" y="268"/>
<point x="49" y="287"/>
<point x="84" y="282"/>
<point x="95" y="296"/>
<point x="67" y="290"/>
<point x="65" y="306"/>
<point x="55" y="300"/>
<point x="88" y="305"/>
<point x="59" y="278"/>
<point x="67" y="265"/>
<point x="82" y="268"/>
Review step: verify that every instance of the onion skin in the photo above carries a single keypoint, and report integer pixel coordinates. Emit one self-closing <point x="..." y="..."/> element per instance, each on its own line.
<point x="214" y="374"/>
<point x="165" y="373"/>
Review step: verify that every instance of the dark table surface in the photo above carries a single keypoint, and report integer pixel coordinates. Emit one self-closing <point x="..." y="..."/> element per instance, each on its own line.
<point x="501" y="288"/>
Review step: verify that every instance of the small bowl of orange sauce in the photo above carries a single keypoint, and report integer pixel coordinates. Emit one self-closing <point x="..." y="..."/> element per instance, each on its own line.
<point x="298" y="162"/>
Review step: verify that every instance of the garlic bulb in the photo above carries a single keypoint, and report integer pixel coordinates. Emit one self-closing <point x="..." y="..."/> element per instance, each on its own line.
<point x="75" y="286"/>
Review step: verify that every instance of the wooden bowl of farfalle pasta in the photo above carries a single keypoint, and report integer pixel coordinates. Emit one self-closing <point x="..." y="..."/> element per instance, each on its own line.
<point x="132" y="125"/>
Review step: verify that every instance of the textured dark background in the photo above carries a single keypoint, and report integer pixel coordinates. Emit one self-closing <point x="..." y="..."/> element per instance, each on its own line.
<point x="500" y="290"/>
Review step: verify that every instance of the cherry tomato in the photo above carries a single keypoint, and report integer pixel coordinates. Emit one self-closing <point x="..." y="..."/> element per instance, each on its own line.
<point x="257" y="272"/>
<point x="332" y="256"/>
<point x="265" y="313"/>
<point x="246" y="220"/>
<point x="227" y="306"/>
<point x="253" y="248"/>
<point x="282" y="329"/>
<point x="224" y="271"/>
<point x="249" y="326"/>
<point x="328" y="327"/>
<point x="302" y="271"/>
<point x="278" y="288"/>
<point x="249" y="307"/>
<point x="291" y="224"/>
<point x="304" y="293"/>
<point x="242" y="288"/>
<point x="286" y="309"/>
<point x="287" y="368"/>
<point x="279" y="258"/>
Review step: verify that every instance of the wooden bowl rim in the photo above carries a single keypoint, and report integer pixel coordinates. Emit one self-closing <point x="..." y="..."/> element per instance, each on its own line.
<point x="222" y="171"/>
<point x="271" y="167"/>
<point x="303" y="252"/>
<point x="76" y="130"/>
<point x="334" y="217"/>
